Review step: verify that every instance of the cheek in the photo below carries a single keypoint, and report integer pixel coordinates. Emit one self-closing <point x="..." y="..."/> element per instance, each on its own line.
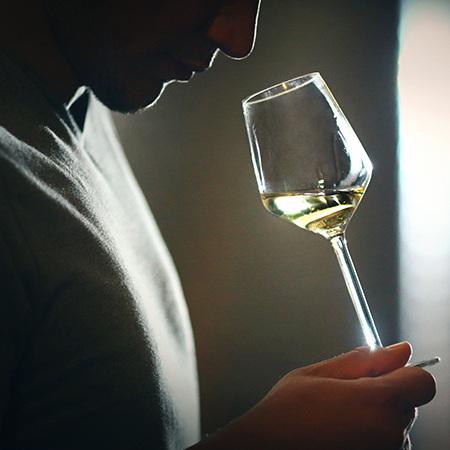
<point x="153" y="26"/>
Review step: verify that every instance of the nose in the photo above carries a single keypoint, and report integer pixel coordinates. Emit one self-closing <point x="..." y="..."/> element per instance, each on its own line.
<point x="234" y="28"/>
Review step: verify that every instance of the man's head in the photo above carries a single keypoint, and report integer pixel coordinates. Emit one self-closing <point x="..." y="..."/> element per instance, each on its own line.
<point x="127" y="51"/>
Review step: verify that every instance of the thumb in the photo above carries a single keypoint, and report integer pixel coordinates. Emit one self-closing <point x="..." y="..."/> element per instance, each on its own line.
<point x="362" y="362"/>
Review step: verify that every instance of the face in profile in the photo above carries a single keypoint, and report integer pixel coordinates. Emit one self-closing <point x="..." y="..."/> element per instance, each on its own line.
<point x="127" y="51"/>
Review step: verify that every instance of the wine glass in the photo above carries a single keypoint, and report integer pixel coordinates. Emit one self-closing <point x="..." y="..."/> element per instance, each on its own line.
<point x="311" y="169"/>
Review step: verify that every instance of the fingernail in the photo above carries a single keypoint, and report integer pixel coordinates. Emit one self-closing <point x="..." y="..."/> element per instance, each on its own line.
<point x="398" y="345"/>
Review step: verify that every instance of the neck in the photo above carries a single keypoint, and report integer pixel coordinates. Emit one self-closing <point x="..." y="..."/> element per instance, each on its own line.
<point x="26" y="35"/>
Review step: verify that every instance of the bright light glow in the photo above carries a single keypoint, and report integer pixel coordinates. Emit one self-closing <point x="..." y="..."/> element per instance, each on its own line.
<point x="291" y="205"/>
<point x="424" y="161"/>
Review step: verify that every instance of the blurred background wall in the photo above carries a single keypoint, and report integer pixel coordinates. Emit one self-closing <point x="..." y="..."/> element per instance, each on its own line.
<point x="424" y="257"/>
<point x="264" y="296"/>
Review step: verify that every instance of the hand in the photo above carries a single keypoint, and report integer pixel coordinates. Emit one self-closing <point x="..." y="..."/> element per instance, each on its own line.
<point x="360" y="400"/>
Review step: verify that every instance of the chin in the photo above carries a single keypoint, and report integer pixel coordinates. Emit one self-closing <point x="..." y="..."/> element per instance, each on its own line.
<point x="129" y="100"/>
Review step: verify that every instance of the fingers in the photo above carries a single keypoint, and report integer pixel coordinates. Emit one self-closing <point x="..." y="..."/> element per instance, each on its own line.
<point x="363" y="362"/>
<point x="412" y="386"/>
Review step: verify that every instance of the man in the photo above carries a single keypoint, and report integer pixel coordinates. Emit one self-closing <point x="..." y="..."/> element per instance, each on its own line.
<point x="95" y="343"/>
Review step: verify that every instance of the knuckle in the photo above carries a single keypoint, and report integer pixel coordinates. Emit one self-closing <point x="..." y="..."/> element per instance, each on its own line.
<point x="363" y="350"/>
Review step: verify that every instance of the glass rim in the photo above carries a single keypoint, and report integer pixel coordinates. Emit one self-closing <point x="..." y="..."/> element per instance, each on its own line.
<point x="281" y="88"/>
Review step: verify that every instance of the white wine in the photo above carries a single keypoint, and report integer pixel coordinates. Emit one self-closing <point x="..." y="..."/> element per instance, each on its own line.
<point x="325" y="212"/>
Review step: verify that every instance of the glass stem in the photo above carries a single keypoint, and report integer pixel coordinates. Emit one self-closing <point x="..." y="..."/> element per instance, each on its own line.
<point x="339" y="244"/>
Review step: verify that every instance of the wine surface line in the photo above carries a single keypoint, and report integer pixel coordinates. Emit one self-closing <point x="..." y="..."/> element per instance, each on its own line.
<point x="325" y="212"/>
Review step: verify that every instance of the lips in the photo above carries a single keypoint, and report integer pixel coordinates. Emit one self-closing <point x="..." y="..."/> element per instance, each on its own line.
<point x="181" y="71"/>
<point x="185" y="68"/>
<point x="172" y="65"/>
<point x="195" y="60"/>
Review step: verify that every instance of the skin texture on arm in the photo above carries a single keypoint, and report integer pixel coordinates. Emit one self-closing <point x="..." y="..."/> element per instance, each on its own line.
<point x="360" y="400"/>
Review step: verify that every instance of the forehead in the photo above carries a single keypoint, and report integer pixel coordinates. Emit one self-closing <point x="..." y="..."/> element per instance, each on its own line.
<point x="155" y="7"/>
<point x="150" y="13"/>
